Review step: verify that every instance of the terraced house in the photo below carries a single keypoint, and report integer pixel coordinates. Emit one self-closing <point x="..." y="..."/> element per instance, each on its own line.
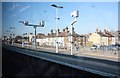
<point x="102" y="38"/>
<point x="63" y="39"/>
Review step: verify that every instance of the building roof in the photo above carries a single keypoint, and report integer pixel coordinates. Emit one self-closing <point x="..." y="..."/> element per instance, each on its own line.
<point x="76" y="35"/>
<point x="60" y="34"/>
<point x="40" y="35"/>
<point x="64" y="33"/>
<point x="105" y="34"/>
<point x="51" y="35"/>
<point x="117" y="33"/>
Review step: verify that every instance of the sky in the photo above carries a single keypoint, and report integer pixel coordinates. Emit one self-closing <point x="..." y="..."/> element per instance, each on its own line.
<point x="92" y="15"/>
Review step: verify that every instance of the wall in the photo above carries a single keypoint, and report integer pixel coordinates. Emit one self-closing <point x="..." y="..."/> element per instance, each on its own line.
<point x="95" y="38"/>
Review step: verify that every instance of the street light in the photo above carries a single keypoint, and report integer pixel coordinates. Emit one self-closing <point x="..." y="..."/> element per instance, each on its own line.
<point x="26" y="23"/>
<point x="74" y="14"/>
<point x="12" y="34"/>
<point x="57" y="18"/>
<point x="8" y="36"/>
<point x="56" y="6"/>
<point x="24" y="39"/>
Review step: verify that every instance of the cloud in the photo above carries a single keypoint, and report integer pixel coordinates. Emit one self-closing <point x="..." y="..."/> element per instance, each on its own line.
<point x="24" y="8"/>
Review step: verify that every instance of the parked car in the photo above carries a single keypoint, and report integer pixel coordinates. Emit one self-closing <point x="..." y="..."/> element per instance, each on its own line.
<point x="114" y="47"/>
<point x="117" y="46"/>
<point x="25" y="43"/>
<point x="103" y="47"/>
<point x="94" y="47"/>
<point x="111" y="47"/>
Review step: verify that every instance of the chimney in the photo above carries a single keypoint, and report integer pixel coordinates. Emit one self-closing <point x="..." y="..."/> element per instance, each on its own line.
<point x="31" y="33"/>
<point x="58" y="30"/>
<point x="51" y="31"/>
<point x="66" y="29"/>
<point x="48" y="34"/>
<point x="105" y="31"/>
<point x="97" y="30"/>
<point x="63" y="30"/>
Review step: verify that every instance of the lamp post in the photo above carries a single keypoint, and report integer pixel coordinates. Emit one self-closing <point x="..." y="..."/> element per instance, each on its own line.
<point x="74" y="14"/>
<point x="24" y="39"/>
<point x="8" y="36"/>
<point x="26" y="23"/>
<point x="35" y="36"/>
<point x="12" y="34"/>
<point x="57" y="18"/>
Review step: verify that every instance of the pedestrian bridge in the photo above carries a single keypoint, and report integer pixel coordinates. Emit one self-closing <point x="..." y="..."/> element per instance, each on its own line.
<point x="97" y="66"/>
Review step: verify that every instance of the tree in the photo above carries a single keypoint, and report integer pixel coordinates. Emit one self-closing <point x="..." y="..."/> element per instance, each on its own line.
<point x="18" y="39"/>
